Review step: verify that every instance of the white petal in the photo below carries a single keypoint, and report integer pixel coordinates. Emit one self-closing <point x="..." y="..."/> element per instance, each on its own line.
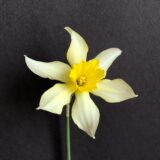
<point x="53" y="70"/>
<point x="55" y="98"/>
<point x="85" y="113"/>
<point x="107" y="57"/>
<point x="78" y="48"/>
<point x="114" y="91"/>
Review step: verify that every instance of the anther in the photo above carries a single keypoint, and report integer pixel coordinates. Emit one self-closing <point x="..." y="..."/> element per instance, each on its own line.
<point x="81" y="81"/>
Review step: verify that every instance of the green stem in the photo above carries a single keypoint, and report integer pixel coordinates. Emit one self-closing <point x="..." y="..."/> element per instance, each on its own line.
<point x="68" y="140"/>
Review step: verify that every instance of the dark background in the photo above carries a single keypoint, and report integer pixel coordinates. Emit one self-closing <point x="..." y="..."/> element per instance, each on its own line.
<point x="128" y="130"/>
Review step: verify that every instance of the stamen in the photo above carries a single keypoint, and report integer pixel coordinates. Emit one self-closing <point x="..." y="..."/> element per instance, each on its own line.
<point x="81" y="81"/>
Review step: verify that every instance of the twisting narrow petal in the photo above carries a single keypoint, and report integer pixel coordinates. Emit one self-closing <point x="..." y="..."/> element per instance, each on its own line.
<point x="53" y="70"/>
<point x="85" y="113"/>
<point x="114" y="91"/>
<point x="55" y="98"/>
<point x="107" y="57"/>
<point x="78" y="48"/>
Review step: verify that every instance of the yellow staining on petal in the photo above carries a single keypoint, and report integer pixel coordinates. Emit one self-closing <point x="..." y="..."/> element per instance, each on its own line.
<point x="84" y="75"/>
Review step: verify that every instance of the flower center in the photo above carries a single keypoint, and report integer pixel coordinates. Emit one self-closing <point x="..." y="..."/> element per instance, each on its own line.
<point x="81" y="81"/>
<point x="84" y="75"/>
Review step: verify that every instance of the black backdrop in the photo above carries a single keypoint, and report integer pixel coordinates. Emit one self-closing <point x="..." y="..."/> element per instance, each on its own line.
<point x="128" y="130"/>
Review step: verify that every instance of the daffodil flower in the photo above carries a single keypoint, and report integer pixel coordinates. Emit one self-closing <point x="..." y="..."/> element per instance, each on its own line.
<point x="81" y="78"/>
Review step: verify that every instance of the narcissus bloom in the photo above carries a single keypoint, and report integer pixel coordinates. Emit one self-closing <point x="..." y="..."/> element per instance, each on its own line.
<point x="81" y="78"/>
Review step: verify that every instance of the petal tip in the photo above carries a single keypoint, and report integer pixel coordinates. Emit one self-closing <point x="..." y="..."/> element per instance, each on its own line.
<point x="91" y="135"/>
<point x="119" y="51"/>
<point x="136" y="95"/>
<point x="38" y="108"/>
<point x="68" y="29"/>
<point x="94" y="137"/>
<point x="26" y="58"/>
